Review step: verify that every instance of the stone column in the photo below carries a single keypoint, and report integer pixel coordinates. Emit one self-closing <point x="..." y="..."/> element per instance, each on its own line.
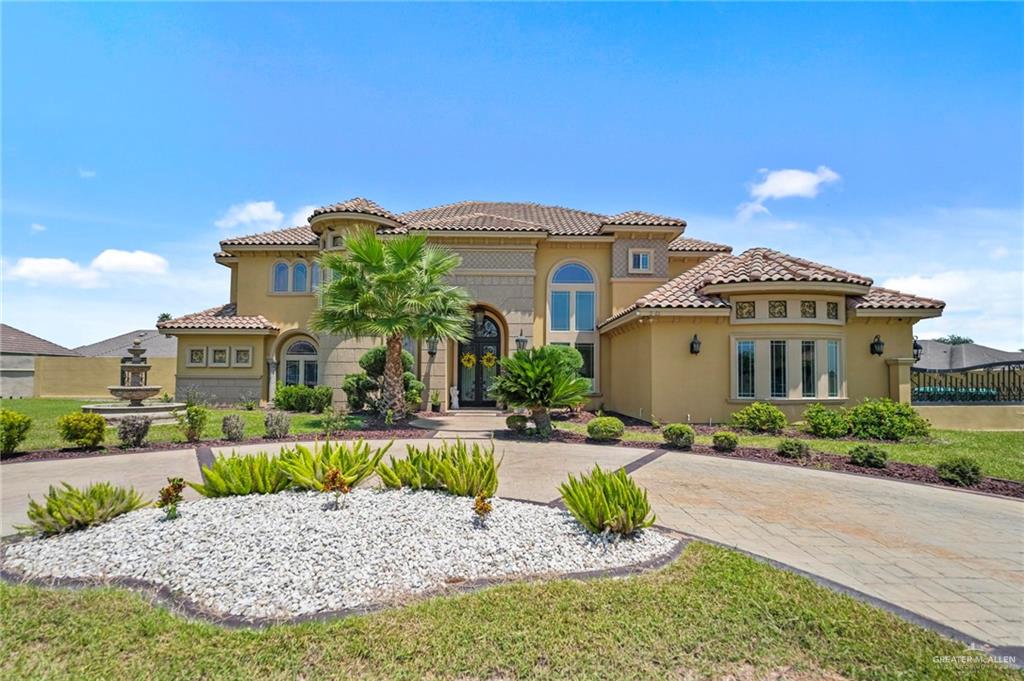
<point x="271" y="378"/>
<point x="899" y="378"/>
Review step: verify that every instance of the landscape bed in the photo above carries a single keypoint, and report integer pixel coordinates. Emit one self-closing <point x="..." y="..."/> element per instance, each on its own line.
<point x="287" y="555"/>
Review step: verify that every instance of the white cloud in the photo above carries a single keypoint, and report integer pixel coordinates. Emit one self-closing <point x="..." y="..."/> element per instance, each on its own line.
<point x="999" y="252"/>
<point x="53" y="271"/>
<point x="783" y="184"/>
<point x="254" y="214"/>
<point x="36" y="228"/>
<point x="140" y="262"/>
<point x="86" y="173"/>
<point x="301" y="216"/>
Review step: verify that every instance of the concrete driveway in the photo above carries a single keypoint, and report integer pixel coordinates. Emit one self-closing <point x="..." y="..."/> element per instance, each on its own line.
<point x="942" y="557"/>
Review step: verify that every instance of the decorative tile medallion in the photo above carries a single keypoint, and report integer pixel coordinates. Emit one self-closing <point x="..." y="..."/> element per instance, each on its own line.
<point x="745" y="310"/>
<point x="777" y="309"/>
<point x="808" y="309"/>
<point x="833" y="310"/>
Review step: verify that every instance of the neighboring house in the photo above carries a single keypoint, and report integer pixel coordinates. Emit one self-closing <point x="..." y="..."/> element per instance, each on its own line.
<point x="937" y="356"/>
<point x="19" y="352"/>
<point x="101" y="370"/>
<point x="967" y="373"/>
<point x="667" y="325"/>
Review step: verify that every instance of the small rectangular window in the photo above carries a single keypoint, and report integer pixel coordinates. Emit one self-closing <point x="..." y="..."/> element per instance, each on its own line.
<point x="832" y="351"/>
<point x="808" y="375"/>
<point x="778" y="369"/>
<point x="584" y="310"/>
<point x="559" y="310"/>
<point x="639" y="260"/>
<point x="587" y="351"/>
<point x="745" y="369"/>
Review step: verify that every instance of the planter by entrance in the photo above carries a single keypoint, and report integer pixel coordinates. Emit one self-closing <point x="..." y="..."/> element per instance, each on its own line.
<point x="477" y="363"/>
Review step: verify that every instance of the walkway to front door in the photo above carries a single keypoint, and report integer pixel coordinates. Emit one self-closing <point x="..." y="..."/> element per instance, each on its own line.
<point x="478" y="363"/>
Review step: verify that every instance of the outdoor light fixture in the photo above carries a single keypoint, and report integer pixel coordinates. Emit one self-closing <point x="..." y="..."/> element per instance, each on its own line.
<point x="695" y="345"/>
<point x="431" y="346"/>
<point x="521" y="341"/>
<point x="877" y="346"/>
<point x="918" y="349"/>
<point x="478" y="317"/>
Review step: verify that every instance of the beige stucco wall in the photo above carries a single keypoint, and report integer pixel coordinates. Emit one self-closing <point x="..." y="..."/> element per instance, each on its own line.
<point x="253" y="290"/>
<point x="631" y="365"/>
<point x="596" y="256"/>
<point x="90" y="376"/>
<point x="974" y="416"/>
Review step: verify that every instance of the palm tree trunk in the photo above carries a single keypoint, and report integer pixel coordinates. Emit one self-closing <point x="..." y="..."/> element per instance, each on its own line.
<point x="393" y="391"/>
<point x="541" y="419"/>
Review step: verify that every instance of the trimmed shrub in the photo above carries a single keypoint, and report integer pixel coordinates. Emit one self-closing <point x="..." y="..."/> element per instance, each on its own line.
<point x="824" y="422"/>
<point x="962" y="471"/>
<point x="13" y="430"/>
<point x="883" y="419"/>
<point x="308" y="468"/>
<point x="357" y="388"/>
<point x="679" y="435"/>
<point x="240" y="475"/>
<point x="607" y="502"/>
<point x="452" y="467"/>
<point x="725" y="441"/>
<point x="760" y="417"/>
<point x="517" y="423"/>
<point x="69" y="508"/>
<point x="373" y="360"/>
<point x="868" y="456"/>
<point x="233" y="427"/>
<point x="83" y="430"/>
<point x="413" y="390"/>
<point x="192" y="420"/>
<point x="792" y="448"/>
<point x="293" y="397"/>
<point x="605" y="428"/>
<point x="132" y="430"/>
<point x="277" y="424"/>
<point x="320" y="398"/>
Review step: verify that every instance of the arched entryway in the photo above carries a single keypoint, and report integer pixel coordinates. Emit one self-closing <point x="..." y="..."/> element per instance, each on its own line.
<point x="476" y="362"/>
<point x="300" y="362"/>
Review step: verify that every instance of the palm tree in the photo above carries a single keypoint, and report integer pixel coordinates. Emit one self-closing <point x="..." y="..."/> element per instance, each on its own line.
<point x="392" y="289"/>
<point x="539" y="379"/>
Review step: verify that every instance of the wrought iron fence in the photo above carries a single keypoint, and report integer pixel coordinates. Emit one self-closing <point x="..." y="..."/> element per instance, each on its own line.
<point x="994" y="385"/>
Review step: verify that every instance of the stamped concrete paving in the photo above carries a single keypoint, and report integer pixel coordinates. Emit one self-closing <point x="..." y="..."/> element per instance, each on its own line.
<point x="952" y="557"/>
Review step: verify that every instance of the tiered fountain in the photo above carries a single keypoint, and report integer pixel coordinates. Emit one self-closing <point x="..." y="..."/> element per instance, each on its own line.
<point x="135" y="390"/>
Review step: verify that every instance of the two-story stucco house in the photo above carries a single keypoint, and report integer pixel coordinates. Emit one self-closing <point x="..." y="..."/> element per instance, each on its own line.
<point x="668" y="325"/>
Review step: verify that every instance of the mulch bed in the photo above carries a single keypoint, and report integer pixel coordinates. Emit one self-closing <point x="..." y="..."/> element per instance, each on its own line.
<point x="894" y="470"/>
<point x="400" y="432"/>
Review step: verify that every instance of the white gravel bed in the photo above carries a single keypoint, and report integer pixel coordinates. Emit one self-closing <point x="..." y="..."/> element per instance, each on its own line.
<point x="286" y="554"/>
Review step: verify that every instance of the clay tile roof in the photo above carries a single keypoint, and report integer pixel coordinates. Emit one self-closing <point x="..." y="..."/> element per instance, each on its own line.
<point x="223" y="317"/>
<point x="17" y="342"/>
<point x="688" y="244"/>
<point x="505" y="216"/>
<point x="640" y="218"/>
<point x="886" y="299"/>
<point x="292" y="236"/>
<point x="681" y="292"/>
<point x="765" y="264"/>
<point x="357" y="205"/>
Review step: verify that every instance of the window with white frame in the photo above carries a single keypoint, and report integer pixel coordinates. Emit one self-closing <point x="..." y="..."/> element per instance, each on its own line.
<point x="297" y="277"/>
<point x="640" y="260"/>
<point x="745" y="357"/>
<point x="572" y="314"/>
<point x="280" y="277"/>
<point x="787" y="369"/>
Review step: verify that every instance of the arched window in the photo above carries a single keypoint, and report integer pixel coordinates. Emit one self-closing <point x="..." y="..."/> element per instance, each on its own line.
<point x="300" y="364"/>
<point x="572" y="313"/>
<point x="299" y="277"/>
<point x="280" y="277"/>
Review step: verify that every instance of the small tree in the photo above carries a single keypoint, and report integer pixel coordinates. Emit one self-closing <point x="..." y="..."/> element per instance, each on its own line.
<point x="954" y="339"/>
<point x="163" y="317"/>
<point x="392" y="289"/>
<point x="539" y="379"/>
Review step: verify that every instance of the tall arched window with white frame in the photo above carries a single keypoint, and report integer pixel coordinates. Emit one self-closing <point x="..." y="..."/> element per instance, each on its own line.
<point x="572" y="314"/>
<point x="299" y="272"/>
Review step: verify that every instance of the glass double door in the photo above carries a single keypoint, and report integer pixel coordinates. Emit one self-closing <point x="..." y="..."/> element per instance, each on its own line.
<point x="478" y="365"/>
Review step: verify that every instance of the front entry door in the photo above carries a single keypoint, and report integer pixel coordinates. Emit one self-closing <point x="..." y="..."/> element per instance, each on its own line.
<point x="478" y="364"/>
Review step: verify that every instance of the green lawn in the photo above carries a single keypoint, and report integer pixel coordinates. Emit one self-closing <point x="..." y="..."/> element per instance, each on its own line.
<point x="45" y="412"/>
<point x="710" y="613"/>
<point x="1000" y="453"/>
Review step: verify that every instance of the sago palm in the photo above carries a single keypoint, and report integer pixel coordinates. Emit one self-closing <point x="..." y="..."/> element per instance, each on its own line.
<point x="391" y="289"/>
<point x="539" y="379"/>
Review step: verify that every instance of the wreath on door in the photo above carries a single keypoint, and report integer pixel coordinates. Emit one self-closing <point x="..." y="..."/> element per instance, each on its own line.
<point x="489" y="359"/>
<point x="468" y="360"/>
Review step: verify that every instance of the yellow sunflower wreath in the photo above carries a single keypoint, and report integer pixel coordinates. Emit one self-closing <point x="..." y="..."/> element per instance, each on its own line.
<point x="489" y="360"/>
<point x="468" y="360"/>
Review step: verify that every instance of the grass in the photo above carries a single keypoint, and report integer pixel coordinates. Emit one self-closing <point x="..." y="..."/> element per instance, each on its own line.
<point x="45" y="412"/>
<point x="710" y="613"/>
<point x="1000" y="453"/>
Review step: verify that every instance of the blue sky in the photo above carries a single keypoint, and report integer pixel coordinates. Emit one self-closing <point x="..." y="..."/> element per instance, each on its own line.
<point x="130" y="132"/>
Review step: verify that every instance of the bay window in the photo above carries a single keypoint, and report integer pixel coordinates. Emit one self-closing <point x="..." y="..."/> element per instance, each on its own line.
<point x="789" y="368"/>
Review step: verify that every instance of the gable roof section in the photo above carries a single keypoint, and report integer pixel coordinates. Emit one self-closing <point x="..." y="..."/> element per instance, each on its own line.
<point x="682" y="244"/>
<point x="639" y="218"/>
<point x="222" y="317"/>
<point x="765" y="264"/>
<point x="292" y="236"/>
<point x="357" y="205"/>
<point x="17" y="342"/>
<point x="505" y="216"/>
<point x="155" y="343"/>
<point x="879" y="298"/>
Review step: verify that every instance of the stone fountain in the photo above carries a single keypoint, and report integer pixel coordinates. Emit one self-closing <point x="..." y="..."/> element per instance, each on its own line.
<point x="135" y="390"/>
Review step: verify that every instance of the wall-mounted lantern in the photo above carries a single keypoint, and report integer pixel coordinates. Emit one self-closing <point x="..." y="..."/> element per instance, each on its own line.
<point x="478" y="317"/>
<point x="877" y="346"/>
<point x="432" y="346"/>
<point x="521" y="341"/>
<point x="918" y="349"/>
<point x="695" y="345"/>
